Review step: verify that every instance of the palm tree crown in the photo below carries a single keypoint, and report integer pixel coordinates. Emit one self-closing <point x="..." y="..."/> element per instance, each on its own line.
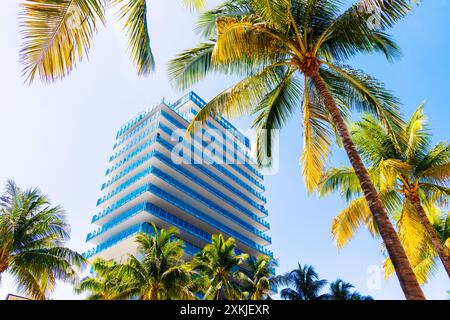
<point x="413" y="180"/>
<point x="219" y="264"/>
<point x="32" y="237"/>
<point x="258" y="282"/>
<point x="159" y="272"/>
<point x="341" y="290"/>
<point x="302" y="283"/>
<point x="291" y="54"/>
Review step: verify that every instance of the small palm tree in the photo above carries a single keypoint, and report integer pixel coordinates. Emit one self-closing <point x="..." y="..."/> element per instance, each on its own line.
<point x="341" y="290"/>
<point x="58" y="34"/>
<point x="104" y="284"/>
<point x="291" y="54"/>
<point x="159" y="273"/>
<point x="302" y="283"/>
<point x="219" y="265"/>
<point x="32" y="238"/>
<point x="413" y="180"/>
<point x="258" y="282"/>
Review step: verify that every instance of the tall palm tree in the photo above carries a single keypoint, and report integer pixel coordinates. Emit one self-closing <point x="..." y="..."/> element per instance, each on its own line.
<point x="341" y="290"/>
<point x="159" y="272"/>
<point x="219" y="264"/>
<point x="291" y="55"/>
<point x="260" y="279"/>
<point x="412" y="177"/>
<point x="32" y="238"/>
<point x="104" y="284"/>
<point x="302" y="283"/>
<point x="59" y="33"/>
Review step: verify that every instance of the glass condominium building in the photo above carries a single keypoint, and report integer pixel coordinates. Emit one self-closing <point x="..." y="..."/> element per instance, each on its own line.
<point x="202" y="186"/>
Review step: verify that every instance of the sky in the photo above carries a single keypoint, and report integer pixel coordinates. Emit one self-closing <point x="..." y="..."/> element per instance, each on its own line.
<point x="59" y="136"/>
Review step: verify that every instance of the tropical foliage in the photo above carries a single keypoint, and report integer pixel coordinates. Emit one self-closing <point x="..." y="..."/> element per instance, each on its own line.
<point x="304" y="283"/>
<point x="32" y="238"/>
<point x="259" y="281"/>
<point x="219" y="264"/>
<point x="412" y="177"/>
<point x="341" y="290"/>
<point x="159" y="272"/>
<point x="291" y="55"/>
<point x="59" y="33"/>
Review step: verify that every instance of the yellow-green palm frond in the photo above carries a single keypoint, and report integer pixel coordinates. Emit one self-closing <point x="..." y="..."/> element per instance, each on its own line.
<point x="240" y="99"/>
<point x="240" y="38"/>
<point x="346" y="223"/>
<point x="58" y="34"/>
<point x="416" y="242"/>
<point x="316" y="137"/>
<point x="438" y="156"/>
<point x="335" y="40"/>
<point x="358" y="213"/>
<point x="273" y="112"/>
<point x="343" y="180"/>
<point x="415" y="135"/>
<point x="439" y="173"/>
<point x="206" y="23"/>
<point x="191" y="66"/>
<point x="134" y="15"/>
<point x="194" y="4"/>
<point x="274" y="12"/>
<point x="390" y="170"/>
<point x="366" y="94"/>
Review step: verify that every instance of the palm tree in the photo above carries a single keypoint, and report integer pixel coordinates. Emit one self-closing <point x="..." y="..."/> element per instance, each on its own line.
<point x="32" y="238"/>
<point x="58" y="34"/>
<point x="159" y="273"/>
<point x="291" y="54"/>
<point x="260" y="279"/>
<point x="412" y="178"/>
<point x="104" y="284"/>
<point x="341" y="290"/>
<point x="219" y="265"/>
<point x="302" y="283"/>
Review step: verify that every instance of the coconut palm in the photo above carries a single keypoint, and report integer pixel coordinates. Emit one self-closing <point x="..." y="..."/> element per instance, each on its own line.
<point x="104" y="284"/>
<point x="219" y="265"/>
<point x="32" y="238"/>
<point x="341" y="290"/>
<point x="59" y="33"/>
<point x="291" y="55"/>
<point x="302" y="283"/>
<point x="413" y="180"/>
<point x="159" y="272"/>
<point x="258" y="282"/>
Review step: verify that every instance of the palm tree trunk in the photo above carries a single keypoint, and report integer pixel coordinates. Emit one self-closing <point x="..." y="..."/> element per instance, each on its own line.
<point x="443" y="255"/>
<point x="405" y="274"/>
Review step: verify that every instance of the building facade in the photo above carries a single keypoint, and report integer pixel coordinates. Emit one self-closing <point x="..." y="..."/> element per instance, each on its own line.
<point x="203" y="185"/>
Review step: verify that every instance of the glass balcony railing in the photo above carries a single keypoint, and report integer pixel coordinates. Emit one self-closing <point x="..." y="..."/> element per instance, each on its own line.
<point x="189" y="248"/>
<point x="181" y="224"/>
<point x="187" y="190"/>
<point x="190" y="210"/>
<point x="170" y="147"/>
<point x="190" y="176"/>
<point x="169" y="132"/>
<point x="245" y="163"/>
<point x="192" y="96"/>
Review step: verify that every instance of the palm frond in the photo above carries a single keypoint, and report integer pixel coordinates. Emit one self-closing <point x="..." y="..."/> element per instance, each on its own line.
<point x="58" y="34"/>
<point x="273" y="112"/>
<point x="134" y="15"/>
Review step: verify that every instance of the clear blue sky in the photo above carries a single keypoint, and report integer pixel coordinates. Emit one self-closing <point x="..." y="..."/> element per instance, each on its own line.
<point x="59" y="136"/>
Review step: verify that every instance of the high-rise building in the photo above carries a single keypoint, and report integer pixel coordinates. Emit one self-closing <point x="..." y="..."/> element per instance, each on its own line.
<point x="203" y="186"/>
